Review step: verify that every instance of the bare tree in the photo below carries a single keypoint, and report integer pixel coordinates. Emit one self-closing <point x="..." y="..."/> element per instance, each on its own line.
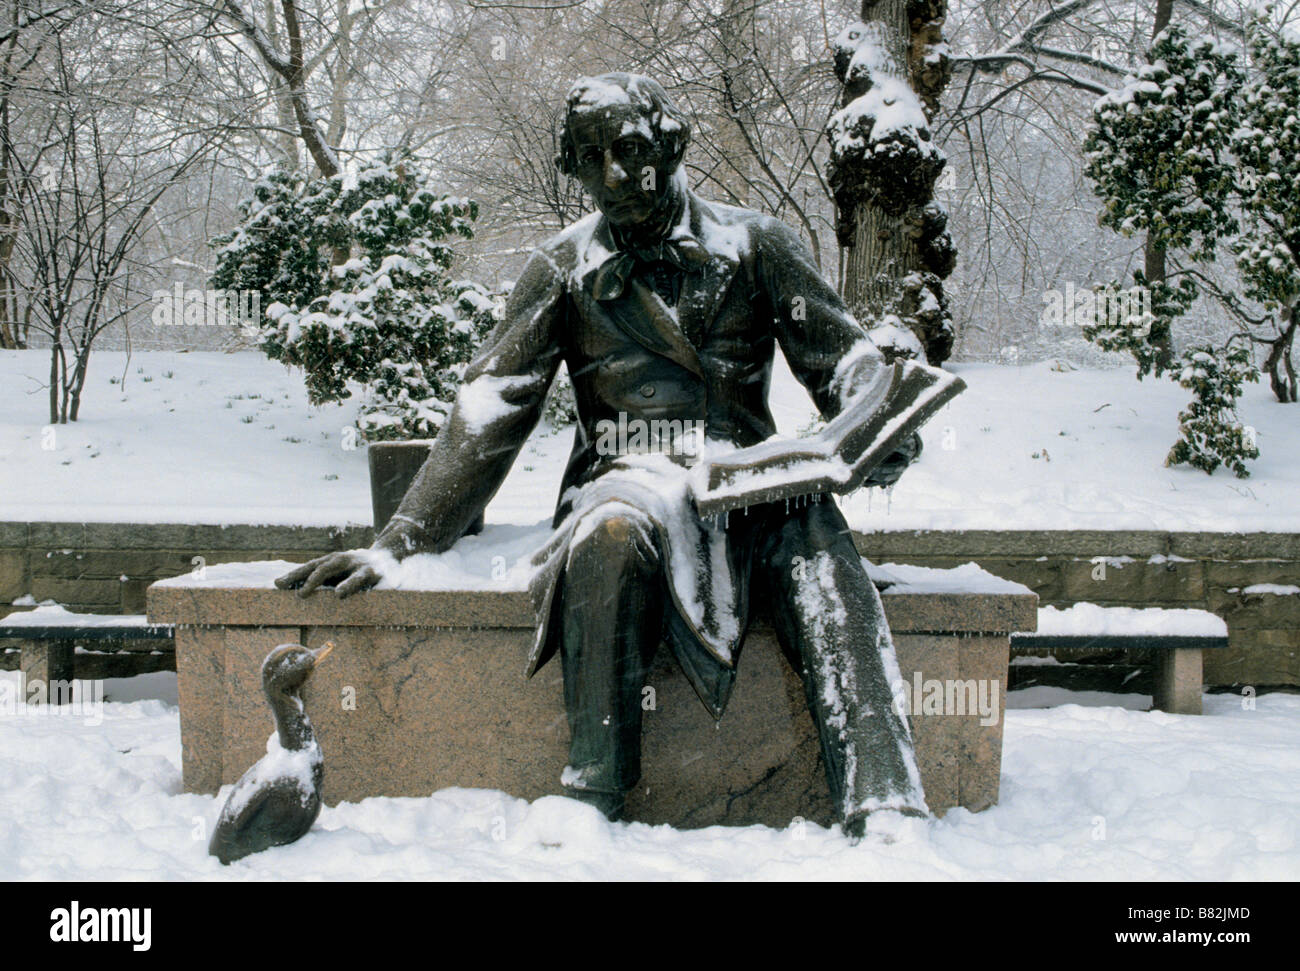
<point x="94" y="153"/>
<point x="291" y="68"/>
<point x="28" y="26"/>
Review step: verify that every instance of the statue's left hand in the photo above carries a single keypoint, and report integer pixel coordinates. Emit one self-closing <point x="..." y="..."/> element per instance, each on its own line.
<point x="891" y="470"/>
<point x="348" y="572"/>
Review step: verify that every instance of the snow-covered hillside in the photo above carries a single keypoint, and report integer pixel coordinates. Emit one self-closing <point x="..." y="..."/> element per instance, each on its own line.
<point x="217" y="438"/>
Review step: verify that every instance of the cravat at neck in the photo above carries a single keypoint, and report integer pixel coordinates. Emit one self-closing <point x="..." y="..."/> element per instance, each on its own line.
<point x="676" y="246"/>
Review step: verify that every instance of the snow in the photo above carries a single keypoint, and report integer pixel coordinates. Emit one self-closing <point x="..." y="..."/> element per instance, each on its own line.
<point x="279" y="764"/>
<point x="1087" y="794"/>
<point x="498" y="559"/>
<point x="1276" y="589"/>
<point x="230" y="438"/>
<point x="597" y="93"/>
<point x="653" y="491"/>
<point x="254" y="574"/>
<point x="893" y="107"/>
<point x="967" y="578"/>
<point x="482" y="401"/>
<point x="1089" y="618"/>
<point x="820" y="601"/>
<point x="889" y="102"/>
<point x="50" y="614"/>
<point x="727" y="239"/>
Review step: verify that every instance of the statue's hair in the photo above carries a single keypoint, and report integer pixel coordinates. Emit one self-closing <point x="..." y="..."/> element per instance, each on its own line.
<point x="668" y="124"/>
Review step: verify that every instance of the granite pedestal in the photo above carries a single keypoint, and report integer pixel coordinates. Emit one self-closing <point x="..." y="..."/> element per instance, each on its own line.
<point x="425" y="691"/>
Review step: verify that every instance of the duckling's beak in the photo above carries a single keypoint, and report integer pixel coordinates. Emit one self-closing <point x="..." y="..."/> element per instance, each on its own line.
<point x="321" y="653"/>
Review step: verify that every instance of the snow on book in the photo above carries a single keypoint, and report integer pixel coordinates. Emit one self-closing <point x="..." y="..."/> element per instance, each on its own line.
<point x="839" y="458"/>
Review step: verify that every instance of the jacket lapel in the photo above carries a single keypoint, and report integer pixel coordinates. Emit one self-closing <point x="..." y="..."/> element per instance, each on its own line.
<point x="705" y="288"/>
<point x="643" y="314"/>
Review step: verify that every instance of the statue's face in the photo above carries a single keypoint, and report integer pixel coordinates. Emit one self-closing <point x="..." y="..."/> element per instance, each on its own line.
<point x="624" y="169"/>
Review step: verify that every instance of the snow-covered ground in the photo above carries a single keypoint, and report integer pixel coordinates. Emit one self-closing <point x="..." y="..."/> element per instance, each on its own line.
<point x="206" y="437"/>
<point x="1087" y="793"/>
<point x="1109" y="791"/>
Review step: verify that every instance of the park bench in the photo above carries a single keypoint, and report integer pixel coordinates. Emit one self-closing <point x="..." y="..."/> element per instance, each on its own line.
<point x="56" y="646"/>
<point x="1094" y="645"/>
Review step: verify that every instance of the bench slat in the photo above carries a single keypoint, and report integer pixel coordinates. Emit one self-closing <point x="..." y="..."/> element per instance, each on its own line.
<point x="100" y="632"/>
<point x="1111" y="642"/>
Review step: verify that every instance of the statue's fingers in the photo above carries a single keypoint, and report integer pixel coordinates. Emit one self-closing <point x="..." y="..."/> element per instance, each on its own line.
<point x="331" y="566"/>
<point x="295" y="576"/>
<point x="361" y="579"/>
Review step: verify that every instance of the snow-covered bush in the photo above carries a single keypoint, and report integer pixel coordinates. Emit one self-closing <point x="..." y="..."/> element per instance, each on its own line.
<point x="1266" y="146"/>
<point x="1203" y="157"/>
<point x="561" y="407"/>
<point x="354" y="272"/>
<point x="1212" y="433"/>
<point x="1158" y="146"/>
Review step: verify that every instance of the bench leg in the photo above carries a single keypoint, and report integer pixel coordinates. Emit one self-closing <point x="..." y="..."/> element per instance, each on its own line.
<point x="1178" y="681"/>
<point x="51" y="663"/>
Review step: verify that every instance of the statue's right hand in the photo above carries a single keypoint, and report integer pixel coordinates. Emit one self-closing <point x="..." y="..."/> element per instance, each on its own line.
<point x="348" y="572"/>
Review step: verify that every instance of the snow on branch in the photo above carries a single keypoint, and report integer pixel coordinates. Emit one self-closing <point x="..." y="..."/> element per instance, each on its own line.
<point x="257" y="36"/>
<point x="1026" y="47"/>
<point x="292" y="72"/>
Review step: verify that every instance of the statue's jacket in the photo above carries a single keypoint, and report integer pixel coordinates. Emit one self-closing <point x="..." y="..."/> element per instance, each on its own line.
<point x="751" y="285"/>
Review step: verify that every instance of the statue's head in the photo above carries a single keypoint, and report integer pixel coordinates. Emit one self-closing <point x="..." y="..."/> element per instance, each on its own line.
<point x="624" y="139"/>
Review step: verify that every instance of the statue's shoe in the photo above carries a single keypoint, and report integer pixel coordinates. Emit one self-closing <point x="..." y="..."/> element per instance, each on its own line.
<point x="881" y="826"/>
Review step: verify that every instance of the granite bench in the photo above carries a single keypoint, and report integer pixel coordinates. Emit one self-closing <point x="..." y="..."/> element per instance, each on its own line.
<point x="55" y="646"/>
<point x="425" y="691"/>
<point x="1173" y="637"/>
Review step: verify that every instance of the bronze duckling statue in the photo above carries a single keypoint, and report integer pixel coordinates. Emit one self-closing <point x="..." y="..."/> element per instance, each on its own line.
<point x="276" y="801"/>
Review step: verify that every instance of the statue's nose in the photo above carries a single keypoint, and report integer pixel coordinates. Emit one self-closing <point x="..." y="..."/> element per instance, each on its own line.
<point x="615" y="174"/>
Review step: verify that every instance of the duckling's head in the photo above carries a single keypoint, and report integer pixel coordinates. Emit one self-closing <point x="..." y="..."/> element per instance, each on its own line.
<point x="288" y="666"/>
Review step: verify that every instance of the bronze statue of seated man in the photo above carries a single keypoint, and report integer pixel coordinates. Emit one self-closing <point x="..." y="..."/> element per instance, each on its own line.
<point x="667" y="308"/>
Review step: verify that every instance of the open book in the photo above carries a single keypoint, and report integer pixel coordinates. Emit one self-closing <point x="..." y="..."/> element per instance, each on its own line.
<point x="873" y="425"/>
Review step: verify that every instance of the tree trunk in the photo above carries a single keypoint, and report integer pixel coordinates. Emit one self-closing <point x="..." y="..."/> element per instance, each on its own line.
<point x="78" y="382"/>
<point x="1278" y="364"/>
<point x="12" y="336"/>
<point x="343" y="72"/>
<point x="893" y="66"/>
<point x="280" y="90"/>
<point x="58" y="374"/>
<point x="1154" y="269"/>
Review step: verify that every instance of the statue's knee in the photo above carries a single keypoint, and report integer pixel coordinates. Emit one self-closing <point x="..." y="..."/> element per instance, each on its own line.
<point x="610" y="538"/>
<point x="618" y="530"/>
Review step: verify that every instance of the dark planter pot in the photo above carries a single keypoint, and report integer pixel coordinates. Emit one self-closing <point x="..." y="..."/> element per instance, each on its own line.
<point x="393" y="466"/>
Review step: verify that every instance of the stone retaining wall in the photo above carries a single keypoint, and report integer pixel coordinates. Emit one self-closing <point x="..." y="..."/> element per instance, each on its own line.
<point x="1209" y="571"/>
<point x="105" y="567"/>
